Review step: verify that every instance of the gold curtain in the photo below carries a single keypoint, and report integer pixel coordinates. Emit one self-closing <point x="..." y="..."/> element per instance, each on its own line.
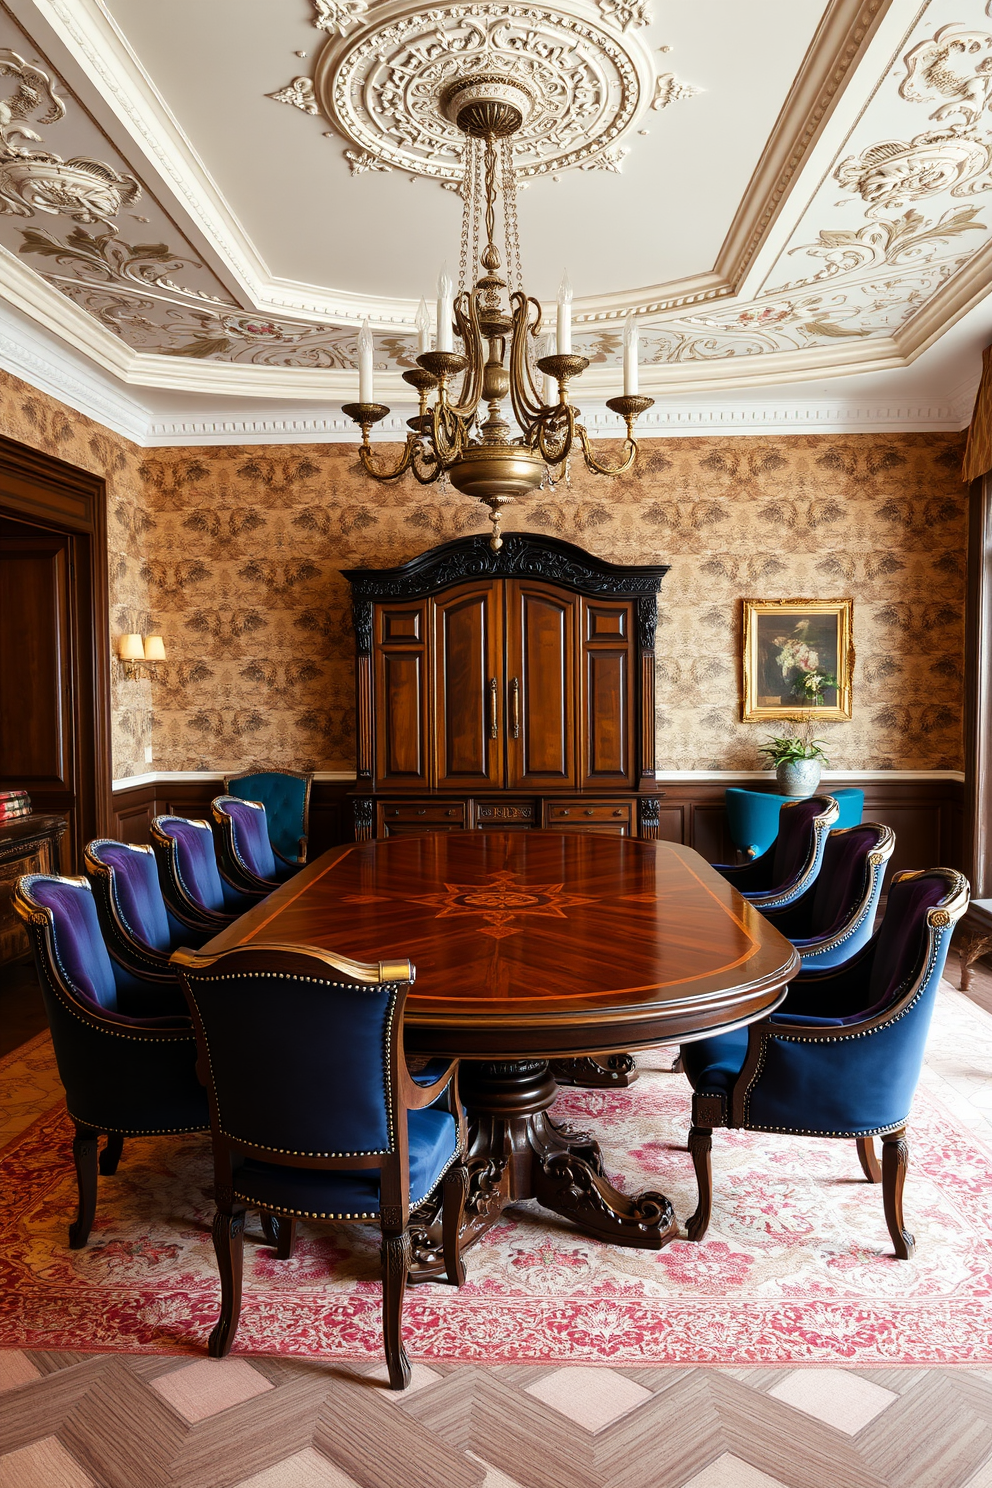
<point x="978" y="450"/>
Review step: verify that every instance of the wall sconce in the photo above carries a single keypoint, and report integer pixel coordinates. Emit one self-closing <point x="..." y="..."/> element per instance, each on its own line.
<point x="134" y="649"/>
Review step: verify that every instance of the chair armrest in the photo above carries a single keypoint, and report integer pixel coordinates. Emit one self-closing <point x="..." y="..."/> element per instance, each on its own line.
<point x="292" y="862"/>
<point x="792" y="920"/>
<point x="415" y="1096"/>
<point x="751" y="876"/>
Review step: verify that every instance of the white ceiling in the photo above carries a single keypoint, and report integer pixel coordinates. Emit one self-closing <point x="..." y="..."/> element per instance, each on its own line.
<point x="807" y="227"/>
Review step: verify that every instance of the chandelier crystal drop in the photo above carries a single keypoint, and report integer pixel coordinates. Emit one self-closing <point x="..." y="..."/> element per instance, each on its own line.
<point x="464" y="437"/>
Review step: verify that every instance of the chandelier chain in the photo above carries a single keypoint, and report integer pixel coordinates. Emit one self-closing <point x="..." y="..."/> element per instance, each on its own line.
<point x="476" y="189"/>
<point x="463" y="279"/>
<point x="514" y="266"/>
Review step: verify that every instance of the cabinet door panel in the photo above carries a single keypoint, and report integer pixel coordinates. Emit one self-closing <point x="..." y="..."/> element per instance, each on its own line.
<point x="607" y="703"/>
<point x="402" y="751"/>
<point x="468" y="687"/>
<point x="541" y="684"/>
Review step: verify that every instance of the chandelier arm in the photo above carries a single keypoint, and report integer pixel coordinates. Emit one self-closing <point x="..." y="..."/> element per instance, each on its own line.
<point x="448" y="434"/>
<point x="467" y="327"/>
<point x="630" y="445"/>
<point x="368" y="458"/>
<point x="426" y="466"/>
<point x="524" y="397"/>
<point x="555" y="449"/>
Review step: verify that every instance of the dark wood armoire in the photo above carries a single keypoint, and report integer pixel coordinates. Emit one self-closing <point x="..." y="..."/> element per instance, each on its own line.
<point x="512" y="689"/>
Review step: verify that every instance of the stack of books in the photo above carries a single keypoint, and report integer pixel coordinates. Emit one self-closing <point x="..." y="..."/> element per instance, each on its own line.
<point x="14" y="803"/>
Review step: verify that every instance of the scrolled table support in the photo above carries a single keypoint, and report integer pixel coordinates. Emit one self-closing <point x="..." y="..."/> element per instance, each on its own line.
<point x="517" y="1152"/>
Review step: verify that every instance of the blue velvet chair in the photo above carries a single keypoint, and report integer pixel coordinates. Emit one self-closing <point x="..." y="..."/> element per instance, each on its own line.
<point x="784" y="873"/>
<point x="752" y="816"/>
<point x="314" y="1115"/>
<point x="842" y="1055"/>
<point x="836" y="915"/>
<point x="195" y="892"/>
<point x="247" y="857"/>
<point x="138" y="930"/>
<point x="124" y="1076"/>
<point x="285" y="794"/>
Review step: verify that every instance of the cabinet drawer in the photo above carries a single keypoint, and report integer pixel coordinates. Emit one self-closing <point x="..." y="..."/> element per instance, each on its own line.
<point x="591" y="816"/>
<point x="404" y="817"/>
<point x="506" y="814"/>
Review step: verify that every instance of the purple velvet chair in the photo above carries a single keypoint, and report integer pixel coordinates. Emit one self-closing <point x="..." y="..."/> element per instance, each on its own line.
<point x="138" y="929"/>
<point x="314" y="1115"/>
<point x="783" y="874"/>
<point x="834" y="918"/>
<point x="194" y="890"/>
<point x="124" y="1075"/>
<point x="247" y="858"/>
<point x="841" y="1057"/>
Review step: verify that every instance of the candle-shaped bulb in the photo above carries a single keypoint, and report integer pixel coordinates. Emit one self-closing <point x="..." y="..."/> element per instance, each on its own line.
<point x="564" y="315"/>
<point x="366" y="352"/>
<point x="630" y="356"/>
<point x="445" y="310"/>
<point x="423" y="324"/>
<point x="549" y="392"/>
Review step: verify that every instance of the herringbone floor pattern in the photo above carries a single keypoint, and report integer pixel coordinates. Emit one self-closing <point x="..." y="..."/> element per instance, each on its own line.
<point x="117" y="1421"/>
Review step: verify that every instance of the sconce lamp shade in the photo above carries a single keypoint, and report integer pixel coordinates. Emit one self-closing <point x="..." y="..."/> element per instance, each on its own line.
<point x="154" y="648"/>
<point x="131" y="648"/>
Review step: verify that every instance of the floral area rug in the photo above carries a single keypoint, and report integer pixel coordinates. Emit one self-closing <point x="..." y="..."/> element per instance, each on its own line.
<point x="796" y="1268"/>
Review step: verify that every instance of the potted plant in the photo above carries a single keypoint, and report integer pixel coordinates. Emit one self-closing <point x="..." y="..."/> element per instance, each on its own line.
<point x="797" y="760"/>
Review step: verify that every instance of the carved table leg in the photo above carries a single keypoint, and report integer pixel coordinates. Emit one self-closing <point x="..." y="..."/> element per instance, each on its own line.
<point x="608" y="1072"/>
<point x="516" y="1152"/>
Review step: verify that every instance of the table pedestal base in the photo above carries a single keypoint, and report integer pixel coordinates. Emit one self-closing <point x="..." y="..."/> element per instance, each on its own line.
<point x="517" y="1152"/>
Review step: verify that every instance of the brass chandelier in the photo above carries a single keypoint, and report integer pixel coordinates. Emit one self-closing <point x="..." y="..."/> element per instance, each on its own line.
<point x="499" y="327"/>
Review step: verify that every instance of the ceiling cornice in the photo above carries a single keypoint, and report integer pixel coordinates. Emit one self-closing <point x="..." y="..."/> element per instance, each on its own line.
<point x="841" y="39"/>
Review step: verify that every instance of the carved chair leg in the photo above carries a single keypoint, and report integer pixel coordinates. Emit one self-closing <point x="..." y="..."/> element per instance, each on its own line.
<point x="700" y="1147"/>
<point x="895" y="1161"/>
<point x="285" y="1238"/>
<point x="977" y="945"/>
<point x="270" y="1227"/>
<point x="395" y="1255"/>
<point x="85" y="1145"/>
<point x="454" y="1194"/>
<point x="111" y="1154"/>
<point x="870" y="1165"/>
<point x="229" y="1235"/>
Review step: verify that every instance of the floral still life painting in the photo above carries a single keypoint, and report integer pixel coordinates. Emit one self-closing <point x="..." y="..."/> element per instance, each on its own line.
<point x="798" y="658"/>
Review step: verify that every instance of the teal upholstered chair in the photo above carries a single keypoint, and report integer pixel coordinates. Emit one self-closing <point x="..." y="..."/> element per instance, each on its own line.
<point x="752" y="816"/>
<point x="285" y="794"/>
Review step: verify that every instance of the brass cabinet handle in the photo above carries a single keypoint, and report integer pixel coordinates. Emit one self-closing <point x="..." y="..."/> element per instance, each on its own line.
<point x="515" y="706"/>
<point x="618" y="813"/>
<point x="590" y="811"/>
<point x="493" y="708"/>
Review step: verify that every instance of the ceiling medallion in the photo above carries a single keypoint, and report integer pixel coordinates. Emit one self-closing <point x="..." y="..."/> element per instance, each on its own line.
<point x="379" y="85"/>
<point x="463" y="435"/>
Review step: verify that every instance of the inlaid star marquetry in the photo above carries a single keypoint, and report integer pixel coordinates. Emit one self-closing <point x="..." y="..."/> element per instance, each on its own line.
<point x="500" y="900"/>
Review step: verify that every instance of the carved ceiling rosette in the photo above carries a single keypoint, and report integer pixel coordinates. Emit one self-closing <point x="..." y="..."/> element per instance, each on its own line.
<point x="380" y="83"/>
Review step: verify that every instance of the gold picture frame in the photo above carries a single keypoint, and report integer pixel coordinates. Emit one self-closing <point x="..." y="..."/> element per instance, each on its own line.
<point x="788" y="644"/>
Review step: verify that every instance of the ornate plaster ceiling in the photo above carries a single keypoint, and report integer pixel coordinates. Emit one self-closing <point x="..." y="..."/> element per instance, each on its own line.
<point x="210" y="196"/>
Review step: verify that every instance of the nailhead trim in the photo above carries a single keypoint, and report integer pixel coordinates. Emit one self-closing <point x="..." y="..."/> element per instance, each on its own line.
<point x="839" y="1038"/>
<point x="387" y="988"/>
<point x="321" y="1214"/>
<point x="854" y="925"/>
<point x="133" y="1131"/>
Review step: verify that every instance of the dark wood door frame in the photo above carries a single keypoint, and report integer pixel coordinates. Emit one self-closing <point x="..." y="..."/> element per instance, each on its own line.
<point x="54" y="496"/>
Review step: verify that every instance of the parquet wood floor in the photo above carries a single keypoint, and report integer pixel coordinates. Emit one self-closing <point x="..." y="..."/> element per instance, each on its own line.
<point x="130" y="1421"/>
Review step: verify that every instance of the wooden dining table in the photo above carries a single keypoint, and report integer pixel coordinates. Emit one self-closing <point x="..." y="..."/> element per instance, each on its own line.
<point x="532" y="946"/>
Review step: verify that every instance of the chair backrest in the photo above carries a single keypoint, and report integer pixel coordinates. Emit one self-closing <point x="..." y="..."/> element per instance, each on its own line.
<point x="285" y="794"/>
<point x="802" y="831"/>
<point x="911" y="945"/>
<point x="130" y="874"/>
<point x="303" y="1051"/>
<point x="845" y="876"/>
<point x="184" y="848"/>
<point x="246" y="835"/>
<point x="74" y="948"/>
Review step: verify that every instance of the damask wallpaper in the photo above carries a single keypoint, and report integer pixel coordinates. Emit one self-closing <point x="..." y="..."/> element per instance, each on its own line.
<point x="234" y="553"/>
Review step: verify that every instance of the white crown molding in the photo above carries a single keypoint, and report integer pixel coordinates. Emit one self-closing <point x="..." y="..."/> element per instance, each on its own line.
<point x="179" y="777"/>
